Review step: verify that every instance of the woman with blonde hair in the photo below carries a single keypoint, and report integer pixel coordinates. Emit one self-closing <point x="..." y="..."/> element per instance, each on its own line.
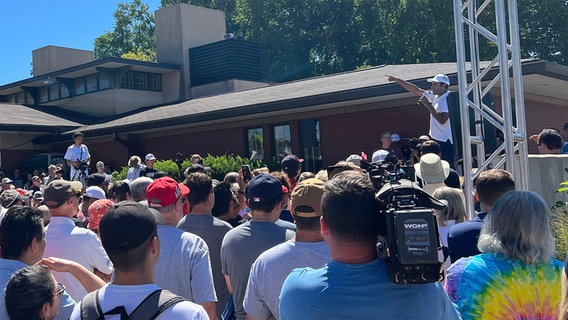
<point x="516" y="275"/>
<point x="135" y="167"/>
<point x="453" y="213"/>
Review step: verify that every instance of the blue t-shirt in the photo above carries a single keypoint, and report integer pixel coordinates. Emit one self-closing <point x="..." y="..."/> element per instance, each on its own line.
<point x="564" y="148"/>
<point x="360" y="291"/>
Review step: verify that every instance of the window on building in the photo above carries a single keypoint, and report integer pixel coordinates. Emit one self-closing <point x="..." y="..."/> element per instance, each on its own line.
<point x="309" y="135"/>
<point x="255" y="143"/>
<point x="54" y="92"/>
<point x="141" y="81"/>
<point x="64" y="91"/>
<point x="43" y="94"/>
<point x="80" y="86"/>
<point x="127" y="81"/>
<point x="104" y="81"/>
<point x="21" y="98"/>
<point x="282" y="141"/>
<point x="92" y="83"/>
<point x="154" y="82"/>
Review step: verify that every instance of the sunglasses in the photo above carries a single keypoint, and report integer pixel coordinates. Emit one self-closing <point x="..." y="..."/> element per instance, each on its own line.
<point x="60" y="289"/>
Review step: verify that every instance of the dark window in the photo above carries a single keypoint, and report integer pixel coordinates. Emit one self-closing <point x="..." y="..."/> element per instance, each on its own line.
<point x="141" y="81"/>
<point x="255" y="143"/>
<point x="282" y="140"/>
<point x="80" y="87"/>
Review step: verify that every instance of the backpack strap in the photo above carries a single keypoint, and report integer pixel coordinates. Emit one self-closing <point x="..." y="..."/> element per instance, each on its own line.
<point x="154" y="304"/>
<point x="91" y="307"/>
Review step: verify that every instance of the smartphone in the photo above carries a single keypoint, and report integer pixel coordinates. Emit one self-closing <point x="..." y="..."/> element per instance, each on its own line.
<point x="246" y="172"/>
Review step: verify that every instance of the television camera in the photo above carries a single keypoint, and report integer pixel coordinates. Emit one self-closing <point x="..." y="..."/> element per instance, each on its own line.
<point x="409" y="232"/>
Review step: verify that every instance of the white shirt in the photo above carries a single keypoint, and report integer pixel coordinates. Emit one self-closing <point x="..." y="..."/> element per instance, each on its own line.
<point x="112" y="296"/>
<point x="438" y="131"/>
<point x="65" y="240"/>
<point x="75" y="153"/>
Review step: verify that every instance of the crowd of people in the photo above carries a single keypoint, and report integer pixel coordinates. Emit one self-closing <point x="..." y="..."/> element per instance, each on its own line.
<point x="285" y="244"/>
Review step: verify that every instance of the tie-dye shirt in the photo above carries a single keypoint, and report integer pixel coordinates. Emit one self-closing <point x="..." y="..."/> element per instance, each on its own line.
<point x="489" y="286"/>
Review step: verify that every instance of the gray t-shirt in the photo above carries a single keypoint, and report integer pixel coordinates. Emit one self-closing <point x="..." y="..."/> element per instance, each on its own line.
<point x="184" y="267"/>
<point x="271" y="268"/>
<point x="212" y="230"/>
<point x="241" y="246"/>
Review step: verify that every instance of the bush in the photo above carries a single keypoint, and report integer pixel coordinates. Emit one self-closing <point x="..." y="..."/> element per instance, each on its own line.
<point x="120" y="175"/>
<point x="170" y="168"/>
<point x="221" y="165"/>
<point x="559" y="223"/>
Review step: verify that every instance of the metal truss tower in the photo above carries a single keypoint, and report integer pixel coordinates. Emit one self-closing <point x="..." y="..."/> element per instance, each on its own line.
<point x="503" y="33"/>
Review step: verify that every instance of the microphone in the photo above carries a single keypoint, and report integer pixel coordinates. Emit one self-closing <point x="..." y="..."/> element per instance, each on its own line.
<point x="427" y="95"/>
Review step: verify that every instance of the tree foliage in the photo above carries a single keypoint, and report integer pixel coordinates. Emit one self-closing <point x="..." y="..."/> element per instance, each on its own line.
<point x="303" y="38"/>
<point x="133" y="33"/>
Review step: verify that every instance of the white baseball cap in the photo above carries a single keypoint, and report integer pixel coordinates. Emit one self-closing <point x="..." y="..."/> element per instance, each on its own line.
<point x="95" y="192"/>
<point x="150" y="156"/>
<point x="442" y="78"/>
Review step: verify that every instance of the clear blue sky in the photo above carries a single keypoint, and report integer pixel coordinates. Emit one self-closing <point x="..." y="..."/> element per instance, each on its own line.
<point x="27" y="25"/>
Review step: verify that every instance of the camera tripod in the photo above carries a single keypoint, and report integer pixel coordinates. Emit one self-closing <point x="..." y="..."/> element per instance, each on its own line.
<point x="80" y="175"/>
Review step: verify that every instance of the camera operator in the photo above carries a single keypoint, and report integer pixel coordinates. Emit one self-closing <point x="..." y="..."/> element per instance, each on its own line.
<point x="355" y="284"/>
<point x="78" y="157"/>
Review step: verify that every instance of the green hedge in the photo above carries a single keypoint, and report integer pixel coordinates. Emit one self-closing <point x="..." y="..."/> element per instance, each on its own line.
<point x="220" y="166"/>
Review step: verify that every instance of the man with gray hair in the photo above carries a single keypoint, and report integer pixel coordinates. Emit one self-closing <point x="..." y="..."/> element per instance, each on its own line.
<point x="138" y="189"/>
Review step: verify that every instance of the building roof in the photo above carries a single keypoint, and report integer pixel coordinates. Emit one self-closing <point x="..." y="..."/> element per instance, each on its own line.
<point x="88" y="68"/>
<point x="540" y="77"/>
<point x="290" y="97"/>
<point x="19" y="118"/>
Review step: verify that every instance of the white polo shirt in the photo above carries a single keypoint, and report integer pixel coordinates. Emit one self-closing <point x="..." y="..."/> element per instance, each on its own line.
<point x="65" y="240"/>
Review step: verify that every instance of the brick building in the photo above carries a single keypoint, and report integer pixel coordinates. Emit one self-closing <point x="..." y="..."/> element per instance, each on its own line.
<point x="206" y="95"/>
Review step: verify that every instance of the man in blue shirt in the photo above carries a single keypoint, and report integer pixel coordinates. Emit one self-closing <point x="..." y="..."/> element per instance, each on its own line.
<point x="355" y="284"/>
<point x="22" y="239"/>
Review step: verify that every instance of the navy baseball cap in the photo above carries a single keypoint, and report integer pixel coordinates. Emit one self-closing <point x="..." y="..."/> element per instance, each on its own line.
<point x="264" y="188"/>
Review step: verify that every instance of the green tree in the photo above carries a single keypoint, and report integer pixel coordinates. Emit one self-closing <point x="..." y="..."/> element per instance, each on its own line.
<point x="133" y="33"/>
<point x="543" y="29"/>
<point x="303" y="38"/>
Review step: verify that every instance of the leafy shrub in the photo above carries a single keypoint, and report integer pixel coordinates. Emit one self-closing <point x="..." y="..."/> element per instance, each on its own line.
<point x="120" y="175"/>
<point x="221" y="165"/>
<point x="559" y="223"/>
<point x="169" y="167"/>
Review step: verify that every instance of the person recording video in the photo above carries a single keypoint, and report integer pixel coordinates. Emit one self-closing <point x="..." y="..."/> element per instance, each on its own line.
<point x="356" y="284"/>
<point x="435" y="101"/>
<point x="78" y="157"/>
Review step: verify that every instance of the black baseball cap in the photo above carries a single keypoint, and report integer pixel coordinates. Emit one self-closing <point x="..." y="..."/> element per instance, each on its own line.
<point x="126" y="226"/>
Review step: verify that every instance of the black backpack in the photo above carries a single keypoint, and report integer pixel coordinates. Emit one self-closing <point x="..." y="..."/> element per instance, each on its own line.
<point x="150" y="308"/>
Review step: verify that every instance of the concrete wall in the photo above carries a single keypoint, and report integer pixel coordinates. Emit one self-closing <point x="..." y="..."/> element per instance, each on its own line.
<point x="53" y="58"/>
<point x="224" y="87"/>
<point x="180" y="27"/>
<point x="112" y="101"/>
<point x="546" y="172"/>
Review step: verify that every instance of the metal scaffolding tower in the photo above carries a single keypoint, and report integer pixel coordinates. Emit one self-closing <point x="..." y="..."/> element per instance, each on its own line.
<point x="511" y="120"/>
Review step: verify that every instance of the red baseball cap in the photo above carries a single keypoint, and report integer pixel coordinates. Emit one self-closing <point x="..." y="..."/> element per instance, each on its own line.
<point x="164" y="191"/>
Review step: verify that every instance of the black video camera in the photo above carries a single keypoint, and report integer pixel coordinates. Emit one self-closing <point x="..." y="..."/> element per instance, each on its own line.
<point x="409" y="238"/>
<point x="82" y="165"/>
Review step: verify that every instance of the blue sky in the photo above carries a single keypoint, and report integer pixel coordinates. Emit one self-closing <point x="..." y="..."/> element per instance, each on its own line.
<point x="27" y="25"/>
